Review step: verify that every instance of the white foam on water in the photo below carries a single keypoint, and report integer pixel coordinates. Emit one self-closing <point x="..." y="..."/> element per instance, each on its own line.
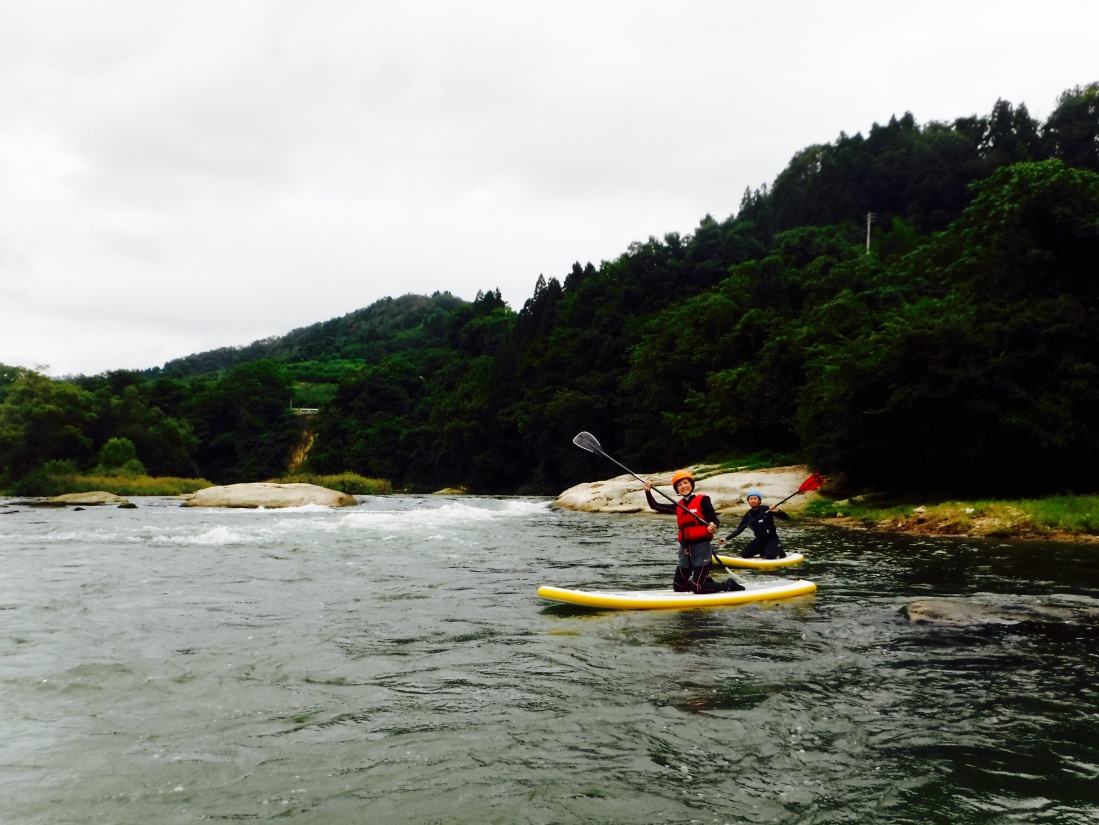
<point x="378" y="521"/>
<point x="66" y="536"/>
<point x="460" y="513"/>
<point x="435" y="521"/>
<point x="218" y="535"/>
<point x="76" y="536"/>
<point x="260" y="530"/>
<point x="326" y="525"/>
<point x="524" y="507"/>
<point x="304" y="508"/>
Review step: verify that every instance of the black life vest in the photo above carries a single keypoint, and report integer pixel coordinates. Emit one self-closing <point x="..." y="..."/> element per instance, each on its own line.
<point x="691" y="529"/>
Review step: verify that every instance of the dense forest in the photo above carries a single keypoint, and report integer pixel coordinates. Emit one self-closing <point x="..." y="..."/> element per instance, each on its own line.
<point x="952" y="347"/>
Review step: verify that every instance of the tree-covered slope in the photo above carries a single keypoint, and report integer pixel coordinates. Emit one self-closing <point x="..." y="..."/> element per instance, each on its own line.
<point x="369" y="334"/>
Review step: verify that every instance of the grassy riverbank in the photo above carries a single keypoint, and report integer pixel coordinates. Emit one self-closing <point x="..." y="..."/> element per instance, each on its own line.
<point x="120" y="485"/>
<point x="1058" y="518"/>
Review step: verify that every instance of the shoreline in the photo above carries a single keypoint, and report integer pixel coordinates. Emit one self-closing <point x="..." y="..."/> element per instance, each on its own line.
<point x="997" y="520"/>
<point x="727" y="490"/>
<point x="992" y="529"/>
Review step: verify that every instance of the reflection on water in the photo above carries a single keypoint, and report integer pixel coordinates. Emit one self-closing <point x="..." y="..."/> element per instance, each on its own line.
<point x="392" y="664"/>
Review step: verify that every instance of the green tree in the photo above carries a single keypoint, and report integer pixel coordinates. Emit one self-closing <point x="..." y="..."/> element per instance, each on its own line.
<point x="991" y="367"/>
<point x="1072" y="131"/>
<point x="116" y="452"/>
<point x="120" y="455"/>
<point x="8" y="376"/>
<point x="1011" y="136"/>
<point x="124" y="409"/>
<point x="244" y="425"/>
<point x="43" y="420"/>
<point x="367" y="427"/>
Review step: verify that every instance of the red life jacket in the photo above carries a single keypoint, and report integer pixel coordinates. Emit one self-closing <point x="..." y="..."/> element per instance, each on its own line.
<point x="691" y="529"/>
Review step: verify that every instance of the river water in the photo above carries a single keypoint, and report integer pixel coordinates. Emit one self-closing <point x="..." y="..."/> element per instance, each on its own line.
<point x="392" y="663"/>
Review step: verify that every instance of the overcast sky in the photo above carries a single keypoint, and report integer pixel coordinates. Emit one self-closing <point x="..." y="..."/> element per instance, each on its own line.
<point x="181" y="176"/>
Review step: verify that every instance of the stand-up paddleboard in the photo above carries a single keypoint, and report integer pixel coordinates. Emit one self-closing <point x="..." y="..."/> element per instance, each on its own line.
<point x="758" y="563"/>
<point x="658" y="599"/>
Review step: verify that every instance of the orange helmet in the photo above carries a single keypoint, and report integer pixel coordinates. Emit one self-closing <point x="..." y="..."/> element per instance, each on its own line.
<point x="679" y="475"/>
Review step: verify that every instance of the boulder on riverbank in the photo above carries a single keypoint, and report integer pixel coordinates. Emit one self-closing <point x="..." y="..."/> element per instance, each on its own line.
<point x="728" y="491"/>
<point x="269" y="495"/>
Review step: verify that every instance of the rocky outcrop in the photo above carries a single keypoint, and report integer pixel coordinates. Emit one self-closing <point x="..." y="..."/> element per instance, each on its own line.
<point x="728" y="491"/>
<point x="959" y="613"/>
<point x="268" y="495"/>
<point x="94" y="498"/>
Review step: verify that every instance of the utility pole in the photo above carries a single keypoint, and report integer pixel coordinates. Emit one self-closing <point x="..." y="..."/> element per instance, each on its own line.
<point x="869" y="220"/>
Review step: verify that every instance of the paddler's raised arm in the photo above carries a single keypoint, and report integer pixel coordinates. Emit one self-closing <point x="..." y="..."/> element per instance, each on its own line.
<point x="668" y="509"/>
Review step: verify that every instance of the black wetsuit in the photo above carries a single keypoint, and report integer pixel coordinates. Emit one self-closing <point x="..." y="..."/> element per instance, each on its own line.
<point x="766" y="542"/>
<point x="692" y="572"/>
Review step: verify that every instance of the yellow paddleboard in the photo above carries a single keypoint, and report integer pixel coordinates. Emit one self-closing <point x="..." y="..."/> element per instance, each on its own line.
<point x="758" y="563"/>
<point x="662" y="599"/>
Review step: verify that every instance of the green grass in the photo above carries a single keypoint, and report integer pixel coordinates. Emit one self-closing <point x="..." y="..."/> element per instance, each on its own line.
<point x="351" y="483"/>
<point x="43" y="482"/>
<point x="323" y="372"/>
<point x="756" y="461"/>
<point x="60" y="484"/>
<point x="1077" y="514"/>
<point x="1068" y="513"/>
<point x="313" y="395"/>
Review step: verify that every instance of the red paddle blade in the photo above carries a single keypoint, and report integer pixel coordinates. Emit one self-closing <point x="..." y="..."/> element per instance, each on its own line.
<point x="811" y="483"/>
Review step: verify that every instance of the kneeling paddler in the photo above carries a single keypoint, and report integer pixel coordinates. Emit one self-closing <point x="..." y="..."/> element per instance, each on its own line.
<point x="697" y="522"/>
<point x="762" y="521"/>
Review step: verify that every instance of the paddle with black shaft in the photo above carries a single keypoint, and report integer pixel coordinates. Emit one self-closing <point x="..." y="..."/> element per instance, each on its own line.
<point x="813" y="482"/>
<point x="587" y="441"/>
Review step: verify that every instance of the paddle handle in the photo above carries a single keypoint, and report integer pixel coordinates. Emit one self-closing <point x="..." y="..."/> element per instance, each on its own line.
<point x="587" y="441"/>
<point x="669" y="498"/>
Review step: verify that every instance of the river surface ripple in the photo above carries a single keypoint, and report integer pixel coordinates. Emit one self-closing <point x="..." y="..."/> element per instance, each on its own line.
<point x="391" y="663"/>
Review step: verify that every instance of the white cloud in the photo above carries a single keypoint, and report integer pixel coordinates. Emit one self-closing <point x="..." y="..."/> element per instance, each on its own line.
<point x="178" y="177"/>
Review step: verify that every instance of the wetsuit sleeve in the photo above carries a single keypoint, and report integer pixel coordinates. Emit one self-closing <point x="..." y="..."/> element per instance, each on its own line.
<point x="782" y="514"/>
<point x="660" y="508"/>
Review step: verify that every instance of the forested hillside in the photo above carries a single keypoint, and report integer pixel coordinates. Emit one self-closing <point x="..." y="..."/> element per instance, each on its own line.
<point x="959" y="352"/>
<point x="390" y="325"/>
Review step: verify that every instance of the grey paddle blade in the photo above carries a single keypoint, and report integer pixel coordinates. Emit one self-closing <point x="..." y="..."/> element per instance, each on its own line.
<point x="587" y="441"/>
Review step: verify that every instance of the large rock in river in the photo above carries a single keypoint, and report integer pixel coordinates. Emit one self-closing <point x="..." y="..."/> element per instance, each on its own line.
<point x="268" y="494"/>
<point x="728" y="491"/>
<point x="963" y="613"/>
<point x="94" y="498"/>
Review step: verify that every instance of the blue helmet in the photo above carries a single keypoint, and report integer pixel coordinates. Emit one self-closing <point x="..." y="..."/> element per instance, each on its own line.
<point x="754" y="493"/>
